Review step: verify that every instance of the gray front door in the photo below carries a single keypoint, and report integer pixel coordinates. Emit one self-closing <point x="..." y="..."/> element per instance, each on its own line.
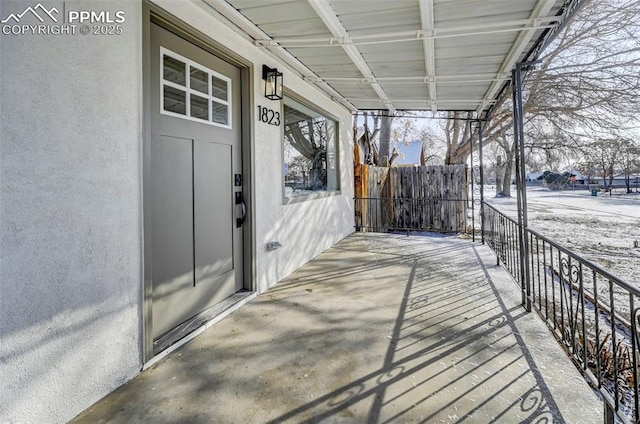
<point x="195" y="154"/>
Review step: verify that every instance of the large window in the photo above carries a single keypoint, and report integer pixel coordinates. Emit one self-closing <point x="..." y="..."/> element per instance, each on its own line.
<point x="310" y="160"/>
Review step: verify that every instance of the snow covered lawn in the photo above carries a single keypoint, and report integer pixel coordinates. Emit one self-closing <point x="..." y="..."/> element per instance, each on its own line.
<point x="601" y="229"/>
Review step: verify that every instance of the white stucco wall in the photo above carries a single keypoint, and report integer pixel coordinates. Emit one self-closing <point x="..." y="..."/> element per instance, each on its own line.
<point x="306" y="228"/>
<point x="70" y="215"/>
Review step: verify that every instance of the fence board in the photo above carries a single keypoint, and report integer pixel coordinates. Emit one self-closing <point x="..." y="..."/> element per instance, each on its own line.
<point x="430" y="198"/>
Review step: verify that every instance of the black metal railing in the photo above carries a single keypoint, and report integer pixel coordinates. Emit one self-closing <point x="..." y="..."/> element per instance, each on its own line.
<point x="594" y="314"/>
<point x="412" y="214"/>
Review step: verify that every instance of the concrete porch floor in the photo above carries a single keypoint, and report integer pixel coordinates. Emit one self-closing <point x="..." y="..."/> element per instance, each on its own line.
<point x="378" y="329"/>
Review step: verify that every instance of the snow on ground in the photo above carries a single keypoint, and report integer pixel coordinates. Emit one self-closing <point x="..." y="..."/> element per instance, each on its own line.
<point x="601" y="229"/>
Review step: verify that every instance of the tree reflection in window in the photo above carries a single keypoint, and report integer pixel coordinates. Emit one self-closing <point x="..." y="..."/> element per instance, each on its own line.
<point x="309" y="151"/>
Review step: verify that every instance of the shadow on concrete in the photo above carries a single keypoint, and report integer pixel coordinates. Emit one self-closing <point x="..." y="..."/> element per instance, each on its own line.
<point x="378" y="329"/>
<point x="537" y="401"/>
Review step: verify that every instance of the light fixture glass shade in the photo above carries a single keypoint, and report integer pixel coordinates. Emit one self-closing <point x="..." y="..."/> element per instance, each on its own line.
<point x="272" y="83"/>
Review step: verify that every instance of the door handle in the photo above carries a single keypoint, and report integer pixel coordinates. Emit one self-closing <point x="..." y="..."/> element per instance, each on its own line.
<point x="244" y="210"/>
<point x="240" y="201"/>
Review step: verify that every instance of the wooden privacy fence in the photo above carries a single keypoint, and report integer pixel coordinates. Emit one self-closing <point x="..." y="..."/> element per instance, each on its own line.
<point x="425" y="198"/>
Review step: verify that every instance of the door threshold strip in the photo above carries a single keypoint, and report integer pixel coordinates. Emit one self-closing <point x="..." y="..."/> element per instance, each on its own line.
<point x="215" y="315"/>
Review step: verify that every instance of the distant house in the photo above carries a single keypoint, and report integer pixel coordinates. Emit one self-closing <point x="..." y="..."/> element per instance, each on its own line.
<point x="618" y="180"/>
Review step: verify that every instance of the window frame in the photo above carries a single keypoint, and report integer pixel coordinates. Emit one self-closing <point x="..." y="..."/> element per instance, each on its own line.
<point x="336" y="141"/>
<point x="189" y="91"/>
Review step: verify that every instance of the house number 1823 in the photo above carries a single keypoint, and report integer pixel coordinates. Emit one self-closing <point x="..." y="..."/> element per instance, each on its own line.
<point x="268" y="116"/>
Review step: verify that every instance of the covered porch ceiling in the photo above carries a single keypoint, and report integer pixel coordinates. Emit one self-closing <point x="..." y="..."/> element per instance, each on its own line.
<point x="437" y="55"/>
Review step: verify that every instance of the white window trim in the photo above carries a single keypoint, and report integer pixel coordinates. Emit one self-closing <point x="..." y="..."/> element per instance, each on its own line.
<point x="307" y="108"/>
<point x="187" y="89"/>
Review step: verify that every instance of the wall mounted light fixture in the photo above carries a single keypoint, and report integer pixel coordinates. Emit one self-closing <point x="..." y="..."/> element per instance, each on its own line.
<point x="272" y="83"/>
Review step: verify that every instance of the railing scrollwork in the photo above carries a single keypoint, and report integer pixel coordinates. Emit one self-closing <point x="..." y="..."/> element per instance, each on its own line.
<point x="591" y="312"/>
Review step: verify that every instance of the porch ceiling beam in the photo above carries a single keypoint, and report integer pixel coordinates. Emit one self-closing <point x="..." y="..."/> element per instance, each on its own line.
<point x="427" y="21"/>
<point x="329" y="18"/>
<point x="541" y="9"/>
<point x="412" y="35"/>
<point x="440" y="79"/>
<point x="420" y="100"/>
<point x="359" y="82"/>
<point x="239" y="23"/>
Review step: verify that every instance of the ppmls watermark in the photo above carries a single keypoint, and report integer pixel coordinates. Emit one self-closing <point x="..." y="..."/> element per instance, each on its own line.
<point x="40" y="20"/>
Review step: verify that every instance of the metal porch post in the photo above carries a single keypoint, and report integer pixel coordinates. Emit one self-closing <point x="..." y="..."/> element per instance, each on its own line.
<point x="521" y="188"/>
<point x="472" y="177"/>
<point x="481" y="179"/>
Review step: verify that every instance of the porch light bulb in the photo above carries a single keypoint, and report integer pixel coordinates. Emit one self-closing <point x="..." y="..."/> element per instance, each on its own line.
<point x="271" y="85"/>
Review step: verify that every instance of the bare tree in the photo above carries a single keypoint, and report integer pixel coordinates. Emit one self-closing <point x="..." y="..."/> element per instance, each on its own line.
<point x="433" y="147"/>
<point x="608" y="156"/>
<point x="457" y="137"/>
<point x="367" y="140"/>
<point x="306" y="149"/>
<point x="602" y="155"/>
<point x="588" y="83"/>
<point x="375" y="144"/>
<point x="630" y="160"/>
<point x="506" y="169"/>
<point x="385" y="135"/>
<point x="585" y="87"/>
